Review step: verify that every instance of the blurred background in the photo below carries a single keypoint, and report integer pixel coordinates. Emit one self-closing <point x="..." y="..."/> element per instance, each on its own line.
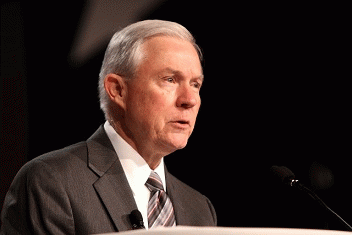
<point x="276" y="92"/>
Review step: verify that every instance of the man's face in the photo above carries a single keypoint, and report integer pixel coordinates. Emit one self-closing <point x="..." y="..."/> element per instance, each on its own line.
<point x="163" y="99"/>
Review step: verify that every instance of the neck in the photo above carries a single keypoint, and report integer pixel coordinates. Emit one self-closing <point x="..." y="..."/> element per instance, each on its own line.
<point x="152" y="158"/>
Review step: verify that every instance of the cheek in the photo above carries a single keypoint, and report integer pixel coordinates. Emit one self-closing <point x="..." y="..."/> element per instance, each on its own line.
<point x="150" y="108"/>
<point x="159" y="109"/>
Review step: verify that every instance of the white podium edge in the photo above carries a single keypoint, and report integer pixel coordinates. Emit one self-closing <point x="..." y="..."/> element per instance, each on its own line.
<point x="189" y="230"/>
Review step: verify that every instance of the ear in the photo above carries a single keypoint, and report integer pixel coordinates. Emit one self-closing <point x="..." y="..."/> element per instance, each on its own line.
<point x="115" y="87"/>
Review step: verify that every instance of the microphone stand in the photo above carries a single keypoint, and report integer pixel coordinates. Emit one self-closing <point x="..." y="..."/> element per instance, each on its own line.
<point x="297" y="184"/>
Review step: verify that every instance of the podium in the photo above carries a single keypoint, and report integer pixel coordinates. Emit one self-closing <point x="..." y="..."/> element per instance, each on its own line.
<point x="185" y="230"/>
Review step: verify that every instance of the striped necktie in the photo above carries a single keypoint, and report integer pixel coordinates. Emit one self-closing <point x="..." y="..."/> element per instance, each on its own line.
<point x="160" y="209"/>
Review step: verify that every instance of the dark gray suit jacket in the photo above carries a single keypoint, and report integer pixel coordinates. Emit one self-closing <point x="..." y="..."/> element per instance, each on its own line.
<point x="82" y="189"/>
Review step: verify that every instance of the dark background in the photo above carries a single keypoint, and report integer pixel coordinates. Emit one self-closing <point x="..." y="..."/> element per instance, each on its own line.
<point x="276" y="92"/>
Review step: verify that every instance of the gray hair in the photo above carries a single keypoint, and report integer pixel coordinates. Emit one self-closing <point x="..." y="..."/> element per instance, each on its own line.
<point x="123" y="55"/>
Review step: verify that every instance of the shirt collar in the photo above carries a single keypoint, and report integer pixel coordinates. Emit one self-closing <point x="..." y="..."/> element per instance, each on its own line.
<point x="135" y="167"/>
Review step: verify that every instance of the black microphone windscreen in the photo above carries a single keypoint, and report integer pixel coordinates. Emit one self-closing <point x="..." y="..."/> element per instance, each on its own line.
<point x="283" y="173"/>
<point x="136" y="219"/>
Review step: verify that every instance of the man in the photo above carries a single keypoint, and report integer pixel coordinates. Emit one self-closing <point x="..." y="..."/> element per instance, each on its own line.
<point x="149" y="92"/>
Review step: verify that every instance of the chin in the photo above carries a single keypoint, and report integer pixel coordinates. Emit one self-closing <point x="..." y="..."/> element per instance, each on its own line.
<point x="176" y="143"/>
<point x="180" y="146"/>
<point x="180" y="143"/>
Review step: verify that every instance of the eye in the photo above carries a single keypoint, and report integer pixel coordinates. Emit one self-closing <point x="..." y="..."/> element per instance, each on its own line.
<point x="197" y="85"/>
<point x="170" y="79"/>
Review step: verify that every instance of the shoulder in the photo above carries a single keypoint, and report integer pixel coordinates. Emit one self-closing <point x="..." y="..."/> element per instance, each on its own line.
<point x="69" y="164"/>
<point x="61" y="158"/>
<point x="50" y="174"/>
<point x="54" y="164"/>
<point x="69" y="153"/>
<point x="41" y="188"/>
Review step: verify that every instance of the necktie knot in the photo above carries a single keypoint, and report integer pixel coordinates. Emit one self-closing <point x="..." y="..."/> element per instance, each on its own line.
<point x="154" y="182"/>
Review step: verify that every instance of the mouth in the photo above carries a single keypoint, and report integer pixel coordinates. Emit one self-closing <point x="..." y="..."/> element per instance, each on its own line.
<point x="181" y="124"/>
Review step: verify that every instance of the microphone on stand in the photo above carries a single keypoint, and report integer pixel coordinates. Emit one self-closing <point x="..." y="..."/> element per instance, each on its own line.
<point x="287" y="177"/>
<point x="136" y="219"/>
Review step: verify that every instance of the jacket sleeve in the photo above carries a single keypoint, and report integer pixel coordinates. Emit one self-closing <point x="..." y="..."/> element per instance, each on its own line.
<point x="37" y="203"/>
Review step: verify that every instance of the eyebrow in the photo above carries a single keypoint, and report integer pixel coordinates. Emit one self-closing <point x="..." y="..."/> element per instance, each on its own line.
<point x="177" y="72"/>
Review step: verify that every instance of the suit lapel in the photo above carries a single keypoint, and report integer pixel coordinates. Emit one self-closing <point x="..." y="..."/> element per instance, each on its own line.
<point x="112" y="186"/>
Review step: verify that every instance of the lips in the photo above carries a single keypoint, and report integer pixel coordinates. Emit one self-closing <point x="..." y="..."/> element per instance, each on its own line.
<point x="182" y="123"/>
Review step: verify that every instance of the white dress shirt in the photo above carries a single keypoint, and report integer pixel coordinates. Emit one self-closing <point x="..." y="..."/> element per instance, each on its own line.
<point x="136" y="170"/>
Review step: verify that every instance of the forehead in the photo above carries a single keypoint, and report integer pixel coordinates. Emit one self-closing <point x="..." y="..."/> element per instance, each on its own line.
<point x="173" y="53"/>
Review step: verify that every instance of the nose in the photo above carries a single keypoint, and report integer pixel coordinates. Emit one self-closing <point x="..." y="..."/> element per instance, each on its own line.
<point x="187" y="97"/>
